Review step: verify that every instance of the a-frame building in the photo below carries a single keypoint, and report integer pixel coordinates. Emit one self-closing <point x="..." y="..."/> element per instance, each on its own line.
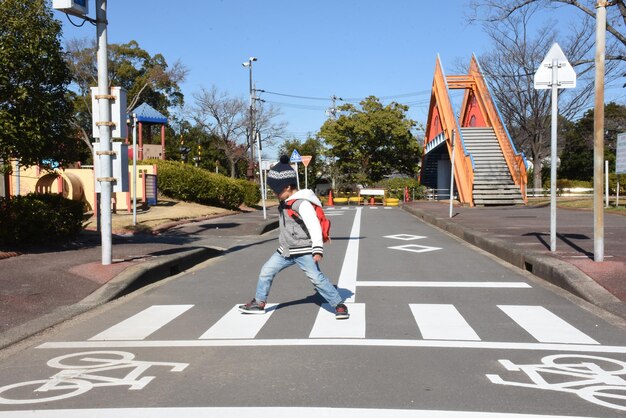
<point x="488" y="170"/>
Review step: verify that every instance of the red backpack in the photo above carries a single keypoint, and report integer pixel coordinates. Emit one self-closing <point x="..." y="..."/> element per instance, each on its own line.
<point x="321" y="216"/>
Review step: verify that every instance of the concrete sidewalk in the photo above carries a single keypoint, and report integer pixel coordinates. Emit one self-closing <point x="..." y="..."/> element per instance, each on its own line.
<point x="520" y="235"/>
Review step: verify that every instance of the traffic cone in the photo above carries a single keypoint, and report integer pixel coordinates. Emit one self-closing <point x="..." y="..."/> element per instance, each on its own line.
<point x="406" y="194"/>
<point x="330" y="198"/>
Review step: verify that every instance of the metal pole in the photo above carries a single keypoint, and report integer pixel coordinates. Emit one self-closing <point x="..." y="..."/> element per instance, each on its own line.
<point x="258" y="144"/>
<point x="555" y="114"/>
<point x="251" y="135"/>
<point x="104" y="159"/>
<point x="606" y="182"/>
<point x="452" y="174"/>
<point x="134" y="169"/>
<point x="598" y="133"/>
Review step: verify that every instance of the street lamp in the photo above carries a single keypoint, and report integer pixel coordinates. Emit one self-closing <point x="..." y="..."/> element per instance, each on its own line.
<point x="251" y="131"/>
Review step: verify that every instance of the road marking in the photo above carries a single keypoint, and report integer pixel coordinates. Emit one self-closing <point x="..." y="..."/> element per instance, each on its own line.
<point x="347" y="278"/>
<point x="347" y="342"/>
<point x="326" y="326"/>
<point x="414" y="248"/>
<point x="504" y="285"/>
<point x="238" y="325"/>
<point x="442" y="322"/>
<point x="545" y="326"/>
<point x="141" y="325"/>
<point x="404" y="237"/>
<point x="275" y="412"/>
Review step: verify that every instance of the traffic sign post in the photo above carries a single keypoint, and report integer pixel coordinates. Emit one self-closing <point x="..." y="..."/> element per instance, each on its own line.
<point x="295" y="158"/>
<point x="554" y="72"/>
<point x="306" y="159"/>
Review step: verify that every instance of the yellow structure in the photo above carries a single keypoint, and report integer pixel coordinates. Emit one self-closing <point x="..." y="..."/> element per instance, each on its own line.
<point x="75" y="184"/>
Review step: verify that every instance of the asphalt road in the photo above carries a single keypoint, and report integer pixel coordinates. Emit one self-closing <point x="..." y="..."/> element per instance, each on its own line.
<point x="437" y="329"/>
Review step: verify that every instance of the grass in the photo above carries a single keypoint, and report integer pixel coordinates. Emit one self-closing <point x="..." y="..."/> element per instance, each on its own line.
<point x="582" y="203"/>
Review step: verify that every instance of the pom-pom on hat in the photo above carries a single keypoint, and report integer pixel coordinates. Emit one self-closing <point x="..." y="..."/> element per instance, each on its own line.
<point x="281" y="175"/>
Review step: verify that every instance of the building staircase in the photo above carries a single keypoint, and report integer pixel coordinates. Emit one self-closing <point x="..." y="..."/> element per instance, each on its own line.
<point x="493" y="184"/>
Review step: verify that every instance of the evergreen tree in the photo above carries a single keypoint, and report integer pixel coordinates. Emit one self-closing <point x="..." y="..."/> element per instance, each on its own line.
<point x="35" y="111"/>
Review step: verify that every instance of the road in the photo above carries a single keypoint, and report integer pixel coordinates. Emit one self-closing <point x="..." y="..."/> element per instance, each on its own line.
<point x="437" y="329"/>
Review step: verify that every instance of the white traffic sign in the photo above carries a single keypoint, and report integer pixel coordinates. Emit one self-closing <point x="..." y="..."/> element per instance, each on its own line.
<point x="295" y="157"/>
<point x="554" y="73"/>
<point x="565" y="76"/>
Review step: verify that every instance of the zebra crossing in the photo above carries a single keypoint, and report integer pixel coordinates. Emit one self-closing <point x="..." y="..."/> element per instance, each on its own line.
<point x="442" y="322"/>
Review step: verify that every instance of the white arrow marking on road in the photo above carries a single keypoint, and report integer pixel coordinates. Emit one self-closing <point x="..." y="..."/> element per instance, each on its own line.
<point x="414" y="248"/>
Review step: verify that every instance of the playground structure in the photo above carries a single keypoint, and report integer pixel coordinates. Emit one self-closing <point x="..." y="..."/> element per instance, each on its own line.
<point x="488" y="170"/>
<point x="79" y="184"/>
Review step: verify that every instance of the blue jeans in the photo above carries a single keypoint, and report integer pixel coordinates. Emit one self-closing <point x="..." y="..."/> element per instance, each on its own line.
<point x="277" y="263"/>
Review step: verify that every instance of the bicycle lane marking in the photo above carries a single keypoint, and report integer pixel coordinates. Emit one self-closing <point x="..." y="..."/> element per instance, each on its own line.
<point x="87" y="371"/>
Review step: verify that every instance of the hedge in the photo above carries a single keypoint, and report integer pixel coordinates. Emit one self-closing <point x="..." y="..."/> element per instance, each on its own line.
<point x="395" y="188"/>
<point x="39" y="218"/>
<point x="185" y="182"/>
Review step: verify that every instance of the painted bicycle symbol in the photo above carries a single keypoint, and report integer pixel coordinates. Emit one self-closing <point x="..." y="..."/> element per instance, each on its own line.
<point x="81" y="372"/>
<point x="594" y="379"/>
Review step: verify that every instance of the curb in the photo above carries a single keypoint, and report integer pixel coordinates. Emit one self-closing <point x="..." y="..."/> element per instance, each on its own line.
<point x="548" y="268"/>
<point x="132" y="278"/>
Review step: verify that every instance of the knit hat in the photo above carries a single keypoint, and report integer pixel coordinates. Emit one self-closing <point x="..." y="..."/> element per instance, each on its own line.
<point x="281" y="175"/>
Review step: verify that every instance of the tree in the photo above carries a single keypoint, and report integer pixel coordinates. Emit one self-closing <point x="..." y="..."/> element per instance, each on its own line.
<point x="577" y="155"/>
<point x="372" y="142"/>
<point x="510" y="67"/>
<point x="145" y="78"/>
<point x="313" y="147"/>
<point x="501" y="10"/>
<point x="35" y="109"/>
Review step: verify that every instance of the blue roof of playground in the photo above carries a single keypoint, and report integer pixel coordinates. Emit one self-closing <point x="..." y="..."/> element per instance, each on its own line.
<point x="147" y="114"/>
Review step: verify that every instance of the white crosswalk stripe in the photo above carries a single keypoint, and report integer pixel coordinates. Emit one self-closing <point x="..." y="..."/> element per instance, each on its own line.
<point x="141" y="325"/>
<point x="237" y="325"/>
<point x="441" y="322"/>
<point x="545" y="326"/>
<point x="326" y="326"/>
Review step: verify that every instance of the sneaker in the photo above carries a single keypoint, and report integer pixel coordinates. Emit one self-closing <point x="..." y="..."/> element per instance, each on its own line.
<point x="341" y="312"/>
<point x="253" y="307"/>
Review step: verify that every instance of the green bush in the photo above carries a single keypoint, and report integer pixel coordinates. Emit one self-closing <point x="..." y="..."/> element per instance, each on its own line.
<point x="185" y="182"/>
<point x="252" y="192"/>
<point x="395" y="188"/>
<point x="38" y="219"/>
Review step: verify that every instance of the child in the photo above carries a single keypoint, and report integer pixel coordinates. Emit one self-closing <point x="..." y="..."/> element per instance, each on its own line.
<point x="300" y="242"/>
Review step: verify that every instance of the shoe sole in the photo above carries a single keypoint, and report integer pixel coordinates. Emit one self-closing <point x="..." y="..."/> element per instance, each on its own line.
<point x="343" y="316"/>
<point x="251" y="312"/>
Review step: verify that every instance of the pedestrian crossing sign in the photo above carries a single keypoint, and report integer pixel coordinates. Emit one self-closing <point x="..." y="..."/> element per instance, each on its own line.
<point x="295" y="157"/>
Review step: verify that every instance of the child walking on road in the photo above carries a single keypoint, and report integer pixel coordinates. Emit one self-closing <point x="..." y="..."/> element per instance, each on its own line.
<point x="300" y="242"/>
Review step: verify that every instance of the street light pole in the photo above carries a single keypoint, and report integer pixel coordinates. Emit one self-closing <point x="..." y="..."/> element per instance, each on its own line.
<point x="251" y="129"/>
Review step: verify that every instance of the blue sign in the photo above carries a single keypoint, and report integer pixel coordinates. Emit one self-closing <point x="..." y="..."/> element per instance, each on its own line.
<point x="295" y="157"/>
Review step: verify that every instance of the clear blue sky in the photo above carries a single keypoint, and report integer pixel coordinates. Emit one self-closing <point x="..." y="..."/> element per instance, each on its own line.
<point x="317" y="48"/>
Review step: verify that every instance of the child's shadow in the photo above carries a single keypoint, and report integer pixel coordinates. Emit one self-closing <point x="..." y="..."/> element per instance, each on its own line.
<point x="315" y="298"/>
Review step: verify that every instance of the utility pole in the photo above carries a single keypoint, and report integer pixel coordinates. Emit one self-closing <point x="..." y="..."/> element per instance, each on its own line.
<point x="332" y="112"/>
<point x="598" y="134"/>
<point x="106" y="171"/>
